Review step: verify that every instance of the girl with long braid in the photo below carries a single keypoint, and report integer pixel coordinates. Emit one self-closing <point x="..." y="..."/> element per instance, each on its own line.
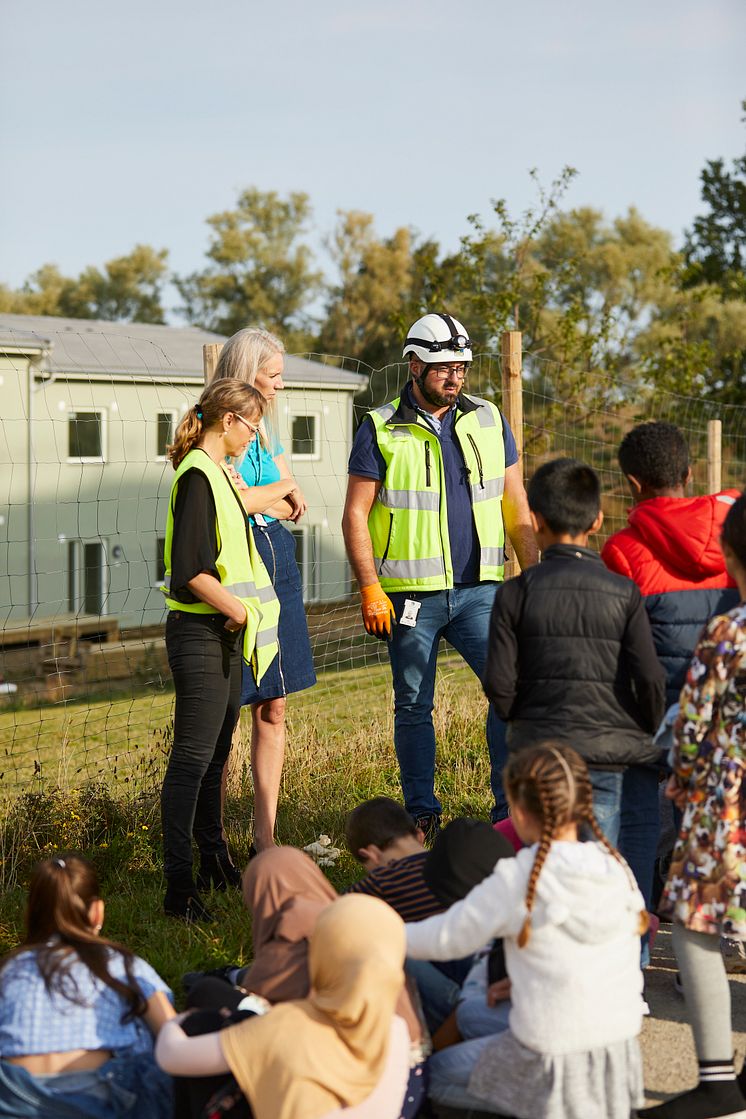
<point x="570" y="914"/>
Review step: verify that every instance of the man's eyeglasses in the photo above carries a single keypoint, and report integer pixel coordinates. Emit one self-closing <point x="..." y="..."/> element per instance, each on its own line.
<point x="252" y="427"/>
<point x="442" y="372"/>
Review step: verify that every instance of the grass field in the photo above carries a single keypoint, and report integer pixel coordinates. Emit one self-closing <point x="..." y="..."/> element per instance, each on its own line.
<point x="100" y="771"/>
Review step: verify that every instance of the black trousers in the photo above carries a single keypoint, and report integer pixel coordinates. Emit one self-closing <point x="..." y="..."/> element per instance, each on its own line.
<point x="205" y="661"/>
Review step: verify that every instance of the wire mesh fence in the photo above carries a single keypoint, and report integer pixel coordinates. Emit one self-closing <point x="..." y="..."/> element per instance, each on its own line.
<point x="88" y="410"/>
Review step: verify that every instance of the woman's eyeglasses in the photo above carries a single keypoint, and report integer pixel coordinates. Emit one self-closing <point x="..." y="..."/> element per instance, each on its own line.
<point x="252" y="427"/>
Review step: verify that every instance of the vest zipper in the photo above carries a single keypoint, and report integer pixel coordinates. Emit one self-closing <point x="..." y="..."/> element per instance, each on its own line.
<point x="475" y="449"/>
<point x="427" y="463"/>
<point x="388" y="542"/>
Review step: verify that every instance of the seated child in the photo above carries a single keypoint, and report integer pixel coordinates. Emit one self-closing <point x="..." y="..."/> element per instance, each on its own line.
<point x="463" y="854"/>
<point x="382" y="836"/>
<point x="570" y="914"/>
<point x="78" y="1012"/>
<point x="340" y="1047"/>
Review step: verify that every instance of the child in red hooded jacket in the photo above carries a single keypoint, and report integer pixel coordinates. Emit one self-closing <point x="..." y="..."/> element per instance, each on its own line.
<point x="671" y="549"/>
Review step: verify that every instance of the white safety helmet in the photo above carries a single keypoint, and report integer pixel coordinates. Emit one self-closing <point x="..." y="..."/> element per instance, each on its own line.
<point x="437" y="337"/>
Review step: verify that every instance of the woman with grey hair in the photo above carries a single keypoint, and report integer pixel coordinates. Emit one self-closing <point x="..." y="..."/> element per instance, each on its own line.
<point x="257" y="357"/>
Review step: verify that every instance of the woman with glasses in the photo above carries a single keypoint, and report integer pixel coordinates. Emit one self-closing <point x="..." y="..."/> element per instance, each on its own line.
<point x="256" y="357"/>
<point x="222" y="612"/>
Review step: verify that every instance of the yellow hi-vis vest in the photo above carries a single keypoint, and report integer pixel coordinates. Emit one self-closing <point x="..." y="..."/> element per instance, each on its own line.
<point x="239" y="564"/>
<point x="408" y="523"/>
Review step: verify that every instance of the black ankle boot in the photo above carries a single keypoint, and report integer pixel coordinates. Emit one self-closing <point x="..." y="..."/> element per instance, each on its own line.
<point x="216" y="871"/>
<point x="187" y="905"/>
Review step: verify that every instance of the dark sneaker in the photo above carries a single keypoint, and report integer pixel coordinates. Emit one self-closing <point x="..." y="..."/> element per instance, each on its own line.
<point x="718" y="1100"/>
<point x="429" y="823"/>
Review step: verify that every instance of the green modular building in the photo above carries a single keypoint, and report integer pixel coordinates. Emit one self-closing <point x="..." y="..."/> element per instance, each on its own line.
<point x="88" y="408"/>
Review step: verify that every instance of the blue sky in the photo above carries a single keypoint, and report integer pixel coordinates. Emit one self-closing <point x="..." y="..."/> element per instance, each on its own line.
<point x="127" y="123"/>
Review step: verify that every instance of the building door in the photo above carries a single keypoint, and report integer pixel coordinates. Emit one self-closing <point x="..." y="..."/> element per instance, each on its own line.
<point x="86" y="577"/>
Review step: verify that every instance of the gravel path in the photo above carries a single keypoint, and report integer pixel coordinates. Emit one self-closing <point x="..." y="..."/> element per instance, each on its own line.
<point x="668" y="1051"/>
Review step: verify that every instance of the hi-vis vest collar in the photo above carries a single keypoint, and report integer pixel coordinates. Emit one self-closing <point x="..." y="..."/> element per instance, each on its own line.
<point x="408" y="522"/>
<point x="238" y="564"/>
<point x="405" y="413"/>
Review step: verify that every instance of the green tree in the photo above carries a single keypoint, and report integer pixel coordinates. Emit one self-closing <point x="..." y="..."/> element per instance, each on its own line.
<point x="697" y="343"/>
<point x="260" y="272"/>
<point x="127" y="289"/>
<point x="715" y="246"/>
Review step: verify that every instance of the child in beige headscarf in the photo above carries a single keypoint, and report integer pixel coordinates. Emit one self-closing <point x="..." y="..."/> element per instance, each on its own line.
<point x="339" y="1047"/>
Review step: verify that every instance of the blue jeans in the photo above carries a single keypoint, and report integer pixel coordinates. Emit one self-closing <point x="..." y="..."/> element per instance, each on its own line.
<point x="134" y="1087"/>
<point x="462" y="617"/>
<point x="640" y="827"/>
<point x="438" y="994"/>
<point x="607" y="801"/>
<point x="450" y="1072"/>
<point x="626" y="807"/>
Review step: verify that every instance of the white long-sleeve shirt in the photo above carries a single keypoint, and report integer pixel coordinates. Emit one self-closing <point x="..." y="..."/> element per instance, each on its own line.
<point x="577" y="984"/>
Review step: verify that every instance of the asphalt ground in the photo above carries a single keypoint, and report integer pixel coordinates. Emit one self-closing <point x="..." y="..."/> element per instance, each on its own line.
<point x="667" y="1046"/>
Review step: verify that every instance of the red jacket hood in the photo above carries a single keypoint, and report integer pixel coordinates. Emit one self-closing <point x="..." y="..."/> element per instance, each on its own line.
<point x="684" y="532"/>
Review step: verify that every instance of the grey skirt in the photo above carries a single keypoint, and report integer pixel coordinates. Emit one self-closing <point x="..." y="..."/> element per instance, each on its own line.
<point x="604" y="1083"/>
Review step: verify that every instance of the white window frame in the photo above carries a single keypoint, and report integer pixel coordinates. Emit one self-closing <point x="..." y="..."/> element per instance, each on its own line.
<point x="90" y="411"/>
<point x="309" y="550"/>
<point x="76" y="576"/>
<point x="315" y="455"/>
<point x="174" y="414"/>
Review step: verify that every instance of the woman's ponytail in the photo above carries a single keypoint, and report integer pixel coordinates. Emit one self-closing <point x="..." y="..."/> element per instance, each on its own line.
<point x="220" y="396"/>
<point x="186" y="437"/>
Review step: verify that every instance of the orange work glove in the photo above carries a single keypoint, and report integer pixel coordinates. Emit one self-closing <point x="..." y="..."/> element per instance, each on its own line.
<point x="378" y="610"/>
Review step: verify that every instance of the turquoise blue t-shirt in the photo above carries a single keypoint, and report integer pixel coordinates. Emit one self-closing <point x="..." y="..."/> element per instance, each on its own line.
<point x="259" y="467"/>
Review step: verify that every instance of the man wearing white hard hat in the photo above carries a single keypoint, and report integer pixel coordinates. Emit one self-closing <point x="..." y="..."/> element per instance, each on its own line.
<point x="434" y="488"/>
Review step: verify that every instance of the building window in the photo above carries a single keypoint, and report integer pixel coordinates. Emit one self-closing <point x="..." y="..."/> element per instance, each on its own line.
<point x="86" y="577"/>
<point x="165" y="428"/>
<point x="85" y="435"/>
<point x="160" y="561"/>
<point x="305" y="556"/>
<point x="305" y="436"/>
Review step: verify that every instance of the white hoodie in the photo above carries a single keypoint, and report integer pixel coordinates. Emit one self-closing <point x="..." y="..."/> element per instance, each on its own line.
<point x="577" y="985"/>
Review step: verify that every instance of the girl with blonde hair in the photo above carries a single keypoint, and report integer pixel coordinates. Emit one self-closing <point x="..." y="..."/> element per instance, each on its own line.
<point x="257" y="358"/>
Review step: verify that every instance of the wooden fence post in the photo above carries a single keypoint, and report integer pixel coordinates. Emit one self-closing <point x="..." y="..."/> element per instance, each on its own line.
<point x="512" y="407"/>
<point x="714" y="456"/>
<point x="210" y="355"/>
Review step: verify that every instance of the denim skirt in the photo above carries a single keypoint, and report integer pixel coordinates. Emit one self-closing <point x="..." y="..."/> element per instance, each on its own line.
<point x="292" y="669"/>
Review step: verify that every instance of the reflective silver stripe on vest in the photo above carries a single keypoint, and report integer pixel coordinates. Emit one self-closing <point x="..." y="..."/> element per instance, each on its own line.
<point x="242" y="590"/>
<point x="401" y="433"/>
<point x="485" y="414"/>
<point x="492" y="557"/>
<point x="167" y="582"/>
<point x="266" y="637"/>
<point x="410" y="499"/>
<point x="250" y="590"/>
<point x="411" y="569"/>
<point x="386" y="411"/>
<point x="493" y="487"/>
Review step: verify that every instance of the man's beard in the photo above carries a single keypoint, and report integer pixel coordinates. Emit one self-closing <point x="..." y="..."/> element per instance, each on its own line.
<point x="432" y="396"/>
